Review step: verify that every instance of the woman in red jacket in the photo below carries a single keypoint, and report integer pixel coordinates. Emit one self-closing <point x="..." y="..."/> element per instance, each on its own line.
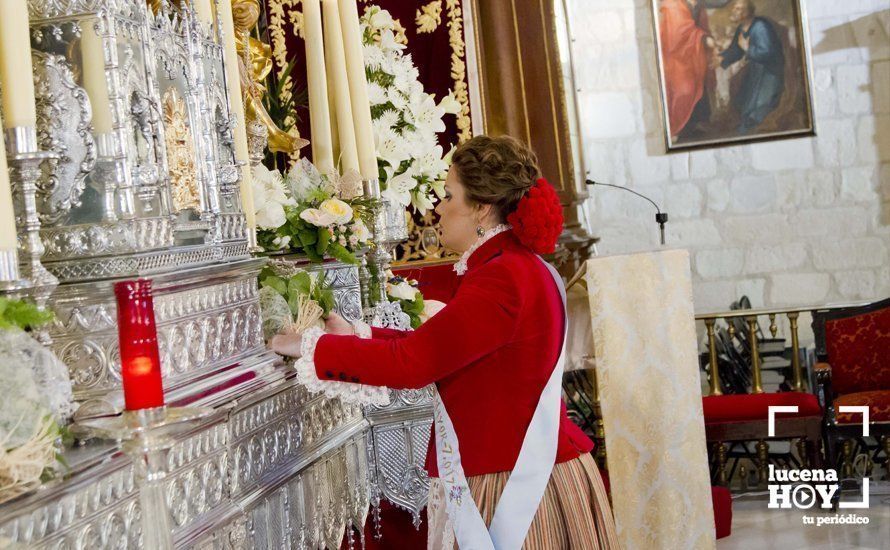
<point x="495" y="353"/>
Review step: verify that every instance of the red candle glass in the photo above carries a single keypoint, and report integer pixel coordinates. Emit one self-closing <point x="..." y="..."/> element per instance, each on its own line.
<point x="138" y="338"/>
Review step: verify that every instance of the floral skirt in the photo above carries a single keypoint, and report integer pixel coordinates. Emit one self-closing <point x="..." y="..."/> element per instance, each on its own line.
<point x="573" y="515"/>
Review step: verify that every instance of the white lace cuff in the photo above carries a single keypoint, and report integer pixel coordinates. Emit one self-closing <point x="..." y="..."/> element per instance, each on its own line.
<point x="362" y="329"/>
<point x="346" y="391"/>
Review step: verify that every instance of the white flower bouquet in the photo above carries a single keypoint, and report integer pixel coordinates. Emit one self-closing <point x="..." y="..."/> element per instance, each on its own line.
<point x="406" y="119"/>
<point x="304" y="211"/>
<point x="35" y="399"/>
<point x="292" y="299"/>
<point x="410" y="298"/>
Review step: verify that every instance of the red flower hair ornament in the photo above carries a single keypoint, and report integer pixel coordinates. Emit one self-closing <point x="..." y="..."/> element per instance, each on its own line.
<point x="537" y="220"/>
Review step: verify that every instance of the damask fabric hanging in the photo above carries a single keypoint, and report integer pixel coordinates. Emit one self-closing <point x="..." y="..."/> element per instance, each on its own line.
<point x="647" y="372"/>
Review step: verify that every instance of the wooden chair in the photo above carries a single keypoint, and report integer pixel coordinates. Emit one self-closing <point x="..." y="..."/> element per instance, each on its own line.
<point x="853" y="347"/>
<point x="743" y="418"/>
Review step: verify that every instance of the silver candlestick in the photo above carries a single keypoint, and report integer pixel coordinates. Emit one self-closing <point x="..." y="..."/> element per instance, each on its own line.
<point x="25" y="161"/>
<point x="11" y="281"/>
<point x="147" y="437"/>
<point x="381" y="313"/>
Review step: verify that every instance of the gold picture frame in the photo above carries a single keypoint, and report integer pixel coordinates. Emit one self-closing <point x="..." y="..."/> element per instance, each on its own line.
<point x="729" y="74"/>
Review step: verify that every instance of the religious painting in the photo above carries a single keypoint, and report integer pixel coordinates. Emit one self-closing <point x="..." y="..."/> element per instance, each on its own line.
<point x="733" y="71"/>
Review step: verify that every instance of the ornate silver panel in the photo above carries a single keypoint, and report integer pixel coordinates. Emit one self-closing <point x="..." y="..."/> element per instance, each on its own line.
<point x="306" y="498"/>
<point x="64" y="116"/>
<point x="343" y="279"/>
<point x="106" y="205"/>
<point x="96" y="508"/>
<point x="207" y="318"/>
<point x="197" y="469"/>
<point x="316" y="507"/>
<point x="400" y="434"/>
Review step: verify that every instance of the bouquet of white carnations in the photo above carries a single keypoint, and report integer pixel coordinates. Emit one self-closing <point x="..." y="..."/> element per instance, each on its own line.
<point x="307" y="212"/>
<point x="406" y="119"/>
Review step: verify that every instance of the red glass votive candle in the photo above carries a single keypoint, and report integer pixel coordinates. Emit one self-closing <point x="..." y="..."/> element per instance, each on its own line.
<point x="138" y="338"/>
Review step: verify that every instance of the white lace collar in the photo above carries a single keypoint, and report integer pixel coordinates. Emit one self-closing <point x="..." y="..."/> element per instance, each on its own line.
<point x="460" y="267"/>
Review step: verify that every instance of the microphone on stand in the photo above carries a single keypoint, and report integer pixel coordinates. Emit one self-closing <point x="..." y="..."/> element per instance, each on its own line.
<point x="661" y="218"/>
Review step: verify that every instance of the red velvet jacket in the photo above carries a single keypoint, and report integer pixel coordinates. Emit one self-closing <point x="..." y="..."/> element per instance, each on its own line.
<point x="490" y="352"/>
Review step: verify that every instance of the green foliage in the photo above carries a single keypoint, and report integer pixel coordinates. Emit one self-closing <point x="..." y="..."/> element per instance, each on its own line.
<point x="15" y="313"/>
<point x="300" y="284"/>
<point x="316" y="242"/>
<point x="414" y="308"/>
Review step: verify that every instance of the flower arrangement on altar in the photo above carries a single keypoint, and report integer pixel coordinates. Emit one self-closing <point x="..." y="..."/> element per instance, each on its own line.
<point x="34" y="401"/>
<point x="405" y="292"/>
<point x="306" y="212"/>
<point x="410" y="299"/>
<point x="292" y="300"/>
<point x="406" y="119"/>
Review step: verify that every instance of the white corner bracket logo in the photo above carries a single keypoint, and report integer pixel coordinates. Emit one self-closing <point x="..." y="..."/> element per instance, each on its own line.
<point x="783" y="495"/>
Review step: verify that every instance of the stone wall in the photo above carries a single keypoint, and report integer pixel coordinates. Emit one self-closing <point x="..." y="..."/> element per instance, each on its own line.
<point x="799" y="221"/>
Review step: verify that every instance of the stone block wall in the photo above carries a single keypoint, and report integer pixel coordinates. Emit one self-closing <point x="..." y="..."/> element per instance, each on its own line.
<point x="793" y="222"/>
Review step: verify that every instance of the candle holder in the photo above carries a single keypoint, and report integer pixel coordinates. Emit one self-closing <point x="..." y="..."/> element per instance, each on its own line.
<point x="10" y="280"/>
<point x="382" y="312"/>
<point x="147" y="436"/>
<point x="25" y="161"/>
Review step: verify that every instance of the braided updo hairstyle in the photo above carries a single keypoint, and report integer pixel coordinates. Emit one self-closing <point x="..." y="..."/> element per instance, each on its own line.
<point x="496" y="170"/>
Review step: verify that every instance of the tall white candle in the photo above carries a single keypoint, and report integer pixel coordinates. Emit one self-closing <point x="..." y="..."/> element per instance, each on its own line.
<point x="358" y="89"/>
<point x="233" y="83"/>
<point x="316" y="78"/>
<point x="204" y="10"/>
<point x="338" y="84"/>
<point x="7" y="215"/>
<point x="15" y="65"/>
<point x="94" y="81"/>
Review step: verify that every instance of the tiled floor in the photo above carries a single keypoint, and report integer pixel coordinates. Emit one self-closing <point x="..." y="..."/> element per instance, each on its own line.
<point x="754" y="526"/>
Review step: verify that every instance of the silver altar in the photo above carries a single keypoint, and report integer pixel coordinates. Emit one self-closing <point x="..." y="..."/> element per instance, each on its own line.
<point x="158" y="196"/>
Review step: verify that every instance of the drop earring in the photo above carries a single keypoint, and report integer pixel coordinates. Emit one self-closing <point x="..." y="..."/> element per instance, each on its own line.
<point x="480" y="231"/>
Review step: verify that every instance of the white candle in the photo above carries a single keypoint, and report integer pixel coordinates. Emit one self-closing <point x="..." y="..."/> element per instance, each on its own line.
<point x="94" y="81"/>
<point x="7" y="213"/>
<point x="316" y="79"/>
<point x="338" y="86"/>
<point x="358" y="89"/>
<point x="15" y="65"/>
<point x="236" y="104"/>
<point x="204" y="10"/>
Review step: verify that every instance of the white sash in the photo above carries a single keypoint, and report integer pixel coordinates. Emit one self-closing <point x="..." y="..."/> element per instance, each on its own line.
<point x="519" y="502"/>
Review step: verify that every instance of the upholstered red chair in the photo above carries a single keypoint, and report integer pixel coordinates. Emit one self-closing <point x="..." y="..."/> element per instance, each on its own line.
<point x="853" y="347"/>
<point x="732" y="420"/>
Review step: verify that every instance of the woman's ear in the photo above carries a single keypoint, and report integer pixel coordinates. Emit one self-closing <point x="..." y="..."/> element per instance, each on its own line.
<point x="484" y="213"/>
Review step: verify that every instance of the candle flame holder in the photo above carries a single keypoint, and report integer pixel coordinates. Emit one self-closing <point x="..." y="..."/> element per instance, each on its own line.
<point x="379" y="312"/>
<point x="25" y="162"/>
<point x="146" y="436"/>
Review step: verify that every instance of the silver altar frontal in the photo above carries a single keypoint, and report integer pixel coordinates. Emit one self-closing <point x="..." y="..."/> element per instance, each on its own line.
<point x="144" y="182"/>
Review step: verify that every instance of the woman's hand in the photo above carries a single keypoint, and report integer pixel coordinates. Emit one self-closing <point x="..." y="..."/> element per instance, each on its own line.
<point x="335" y="324"/>
<point x="287" y="344"/>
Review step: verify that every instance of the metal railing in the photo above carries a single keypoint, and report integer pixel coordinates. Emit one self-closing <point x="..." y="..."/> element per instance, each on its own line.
<point x="750" y="317"/>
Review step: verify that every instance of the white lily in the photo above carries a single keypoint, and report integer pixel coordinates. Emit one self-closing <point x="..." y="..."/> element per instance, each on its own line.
<point x="398" y="188"/>
<point x="450" y="104"/>
<point x="402" y="291"/>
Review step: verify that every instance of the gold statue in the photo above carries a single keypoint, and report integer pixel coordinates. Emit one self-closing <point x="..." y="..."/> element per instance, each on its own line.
<point x="259" y="56"/>
<point x="180" y="153"/>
